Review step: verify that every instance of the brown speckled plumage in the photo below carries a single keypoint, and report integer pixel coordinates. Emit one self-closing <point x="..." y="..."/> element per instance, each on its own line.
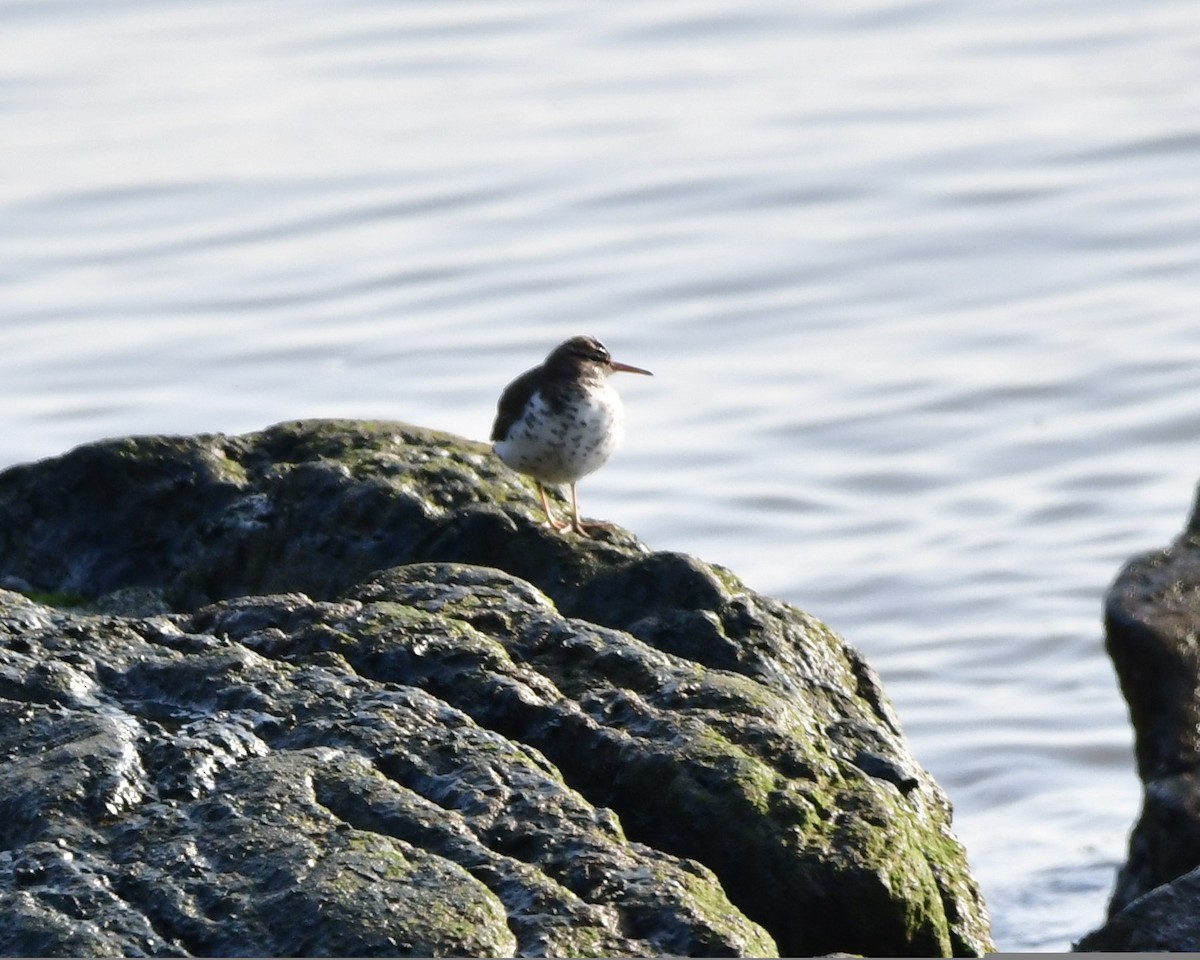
<point x="562" y="420"/>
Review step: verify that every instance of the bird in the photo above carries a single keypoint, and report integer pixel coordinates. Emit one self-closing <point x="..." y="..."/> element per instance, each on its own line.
<point x="562" y="420"/>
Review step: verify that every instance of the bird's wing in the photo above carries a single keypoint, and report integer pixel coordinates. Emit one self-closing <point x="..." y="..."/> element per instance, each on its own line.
<point x="512" y="403"/>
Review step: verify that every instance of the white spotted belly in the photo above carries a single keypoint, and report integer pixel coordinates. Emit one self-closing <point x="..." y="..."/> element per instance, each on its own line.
<point x="559" y="448"/>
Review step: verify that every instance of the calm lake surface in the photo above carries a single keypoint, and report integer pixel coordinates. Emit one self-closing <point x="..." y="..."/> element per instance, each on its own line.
<point x="919" y="282"/>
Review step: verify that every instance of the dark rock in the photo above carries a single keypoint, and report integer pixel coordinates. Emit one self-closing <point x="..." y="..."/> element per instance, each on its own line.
<point x="1165" y="920"/>
<point x="332" y="689"/>
<point x="1152" y="621"/>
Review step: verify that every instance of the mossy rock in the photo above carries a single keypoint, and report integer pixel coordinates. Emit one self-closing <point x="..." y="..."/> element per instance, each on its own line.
<point x="305" y="668"/>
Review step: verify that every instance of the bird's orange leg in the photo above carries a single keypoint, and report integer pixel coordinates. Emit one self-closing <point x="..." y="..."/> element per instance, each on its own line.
<point x="577" y="524"/>
<point x="550" y="518"/>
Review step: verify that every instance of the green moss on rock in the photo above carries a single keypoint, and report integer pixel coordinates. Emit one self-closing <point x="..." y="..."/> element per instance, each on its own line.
<point x="360" y="639"/>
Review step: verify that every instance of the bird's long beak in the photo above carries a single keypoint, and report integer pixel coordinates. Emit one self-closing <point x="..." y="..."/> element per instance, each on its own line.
<point x="626" y="368"/>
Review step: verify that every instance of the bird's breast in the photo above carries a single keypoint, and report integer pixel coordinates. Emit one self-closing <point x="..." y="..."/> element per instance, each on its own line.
<point x="560" y="438"/>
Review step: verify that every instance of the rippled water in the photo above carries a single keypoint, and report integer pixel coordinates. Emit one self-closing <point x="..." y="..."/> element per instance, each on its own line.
<point x="919" y="282"/>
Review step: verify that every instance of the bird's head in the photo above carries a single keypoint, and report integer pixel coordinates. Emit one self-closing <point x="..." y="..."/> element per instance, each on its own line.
<point x="588" y="353"/>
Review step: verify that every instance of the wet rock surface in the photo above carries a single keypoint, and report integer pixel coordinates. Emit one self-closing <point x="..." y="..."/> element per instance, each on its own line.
<point x="1152" y="620"/>
<point x="331" y="688"/>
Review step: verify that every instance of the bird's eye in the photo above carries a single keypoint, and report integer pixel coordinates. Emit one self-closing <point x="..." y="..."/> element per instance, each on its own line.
<point x="593" y="351"/>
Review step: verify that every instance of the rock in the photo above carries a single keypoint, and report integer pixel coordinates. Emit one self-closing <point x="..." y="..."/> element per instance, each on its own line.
<point x="331" y="688"/>
<point x="1152" y="617"/>
<point x="1165" y="920"/>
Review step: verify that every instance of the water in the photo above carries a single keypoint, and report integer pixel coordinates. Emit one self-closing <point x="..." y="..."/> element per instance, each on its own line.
<point x="917" y="280"/>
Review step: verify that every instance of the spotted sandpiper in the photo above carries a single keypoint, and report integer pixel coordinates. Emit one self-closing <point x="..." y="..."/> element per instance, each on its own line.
<point x="562" y="420"/>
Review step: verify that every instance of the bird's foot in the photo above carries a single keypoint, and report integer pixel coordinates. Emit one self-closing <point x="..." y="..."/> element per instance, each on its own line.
<point x="584" y="529"/>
